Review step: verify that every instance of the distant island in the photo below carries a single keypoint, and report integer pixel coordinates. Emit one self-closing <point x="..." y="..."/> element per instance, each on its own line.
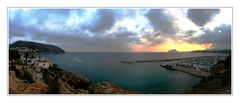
<point x="173" y="51"/>
<point x="34" y="47"/>
<point x="228" y="51"/>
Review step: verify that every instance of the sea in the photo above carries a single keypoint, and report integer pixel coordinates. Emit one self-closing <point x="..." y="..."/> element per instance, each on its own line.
<point x="146" y="78"/>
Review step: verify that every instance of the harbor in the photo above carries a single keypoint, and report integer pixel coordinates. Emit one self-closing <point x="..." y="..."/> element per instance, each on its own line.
<point x="197" y="66"/>
<point x="169" y="60"/>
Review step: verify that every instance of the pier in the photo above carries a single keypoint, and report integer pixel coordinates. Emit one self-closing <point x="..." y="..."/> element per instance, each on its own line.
<point x="163" y="60"/>
<point x="143" y="61"/>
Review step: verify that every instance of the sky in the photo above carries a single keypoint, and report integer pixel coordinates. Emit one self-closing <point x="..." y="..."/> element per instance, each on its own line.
<point x="123" y="29"/>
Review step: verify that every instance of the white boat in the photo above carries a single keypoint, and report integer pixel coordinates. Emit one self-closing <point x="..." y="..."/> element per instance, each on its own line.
<point x="78" y="60"/>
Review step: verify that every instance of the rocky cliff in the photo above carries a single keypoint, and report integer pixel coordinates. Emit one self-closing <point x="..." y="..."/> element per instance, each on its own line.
<point x="58" y="81"/>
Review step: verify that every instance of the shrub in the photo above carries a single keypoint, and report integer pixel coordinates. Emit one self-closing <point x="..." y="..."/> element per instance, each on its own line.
<point x="27" y="76"/>
<point x="53" y="85"/>
<point x="17" y="72"/>
<point x="13" y="54"/>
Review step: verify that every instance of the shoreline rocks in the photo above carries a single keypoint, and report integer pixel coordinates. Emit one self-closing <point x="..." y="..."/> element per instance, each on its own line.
<point x="58" y="81"/>
<point x="108" y="88"/>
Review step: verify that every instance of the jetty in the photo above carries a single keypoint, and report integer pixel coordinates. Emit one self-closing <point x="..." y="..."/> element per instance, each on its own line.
<point x="143" y="61"/>
<point x="161" y="60"/>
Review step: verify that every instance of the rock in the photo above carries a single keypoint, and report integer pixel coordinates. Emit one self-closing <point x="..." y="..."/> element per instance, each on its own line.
<point x="36" y="88"/>
<point x="16" y="86"/>
<point x="65" y="88"/>
<point x="108" y="88"/>
<point x="82" y="91"/>
<point x="78" y="82"/>
<point x="62" y="82"/>
<point x="40" y="85"/>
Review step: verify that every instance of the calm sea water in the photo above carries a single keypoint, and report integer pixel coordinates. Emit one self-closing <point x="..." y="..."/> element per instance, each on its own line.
<point x="141" y="77"/>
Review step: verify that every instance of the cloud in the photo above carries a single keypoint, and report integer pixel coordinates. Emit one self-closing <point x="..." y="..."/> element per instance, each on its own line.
<point x="105" y="29"/>
<point x="220" y="37"/>
<point x="105" y="19"/>
<point x="162" y="21"/>
<point x="92" y="38"/>
<point x="202" y="16"/>
<point x="190" y="33"/>
<point x="153" y="40"/>
<point x="127" y="36"/>
<point x="80" y="42"/>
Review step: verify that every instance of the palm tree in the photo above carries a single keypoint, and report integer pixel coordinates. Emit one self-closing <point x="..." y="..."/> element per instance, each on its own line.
<point x="26" y="56"/>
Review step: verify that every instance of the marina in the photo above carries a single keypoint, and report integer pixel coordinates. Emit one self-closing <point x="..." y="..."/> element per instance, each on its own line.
<point x="197" y="66"/>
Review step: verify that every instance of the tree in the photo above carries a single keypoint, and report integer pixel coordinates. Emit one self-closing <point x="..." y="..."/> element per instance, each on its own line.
<point x="26" y="54"/>
<point x="13" y="54"/>
<point x="26" y="75"/>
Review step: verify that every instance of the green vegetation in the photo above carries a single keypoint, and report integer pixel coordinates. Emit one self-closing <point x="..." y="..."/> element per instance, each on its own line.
<point x="27" y="76"/>
<point x="219" y="81"/>
<point x="53" y="88"/>
<point x="26" y="57"/>
<point x="13" y="68"/>
<point x="55" y="68"/>
<point x="42" y="48"/>
<point x="51" y="80"/>
<point x="23" y="74"/>
<point x="13" y="54"/>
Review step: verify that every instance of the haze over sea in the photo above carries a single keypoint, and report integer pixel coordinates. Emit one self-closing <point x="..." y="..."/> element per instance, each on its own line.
<point x="141" y="77"/>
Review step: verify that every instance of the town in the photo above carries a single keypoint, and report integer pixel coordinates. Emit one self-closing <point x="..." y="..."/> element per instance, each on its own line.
<point x="37" y="64"/>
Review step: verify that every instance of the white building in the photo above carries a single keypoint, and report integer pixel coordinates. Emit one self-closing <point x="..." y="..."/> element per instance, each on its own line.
<point x="41" y="63"/>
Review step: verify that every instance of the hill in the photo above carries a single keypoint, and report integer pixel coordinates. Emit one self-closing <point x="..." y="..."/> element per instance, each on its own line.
<point x="39" y="47"/>
<point x="219" y="82"/>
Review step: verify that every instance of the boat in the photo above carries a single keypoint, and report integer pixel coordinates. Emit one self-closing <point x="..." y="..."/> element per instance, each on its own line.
<point x="78" y="60"/>
<point x="169" y="67"/>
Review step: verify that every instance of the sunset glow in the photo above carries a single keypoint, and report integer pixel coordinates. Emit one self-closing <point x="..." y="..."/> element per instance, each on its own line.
<point x="124" y="29"/>
<point x="170" y="44"/>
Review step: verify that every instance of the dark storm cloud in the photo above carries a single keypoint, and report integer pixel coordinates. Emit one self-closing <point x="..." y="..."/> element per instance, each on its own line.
<point x="78" y="40"/>
<point x="154" y="39"/>
<point x="127" y="36"/>
<point x="162" y="21"/>
<point x="201" y="16"/>
<point x="84" y="43"/>
<point x="105" y="19"/>
<point x="220" y="37"/>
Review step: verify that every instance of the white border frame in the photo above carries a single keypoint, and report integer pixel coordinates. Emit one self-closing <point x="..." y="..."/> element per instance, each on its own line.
<point x="4" y="4"/>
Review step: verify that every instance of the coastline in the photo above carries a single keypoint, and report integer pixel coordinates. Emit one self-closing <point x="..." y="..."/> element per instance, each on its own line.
<point x="69" y="84"/>
<point x="55" y="80"/>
